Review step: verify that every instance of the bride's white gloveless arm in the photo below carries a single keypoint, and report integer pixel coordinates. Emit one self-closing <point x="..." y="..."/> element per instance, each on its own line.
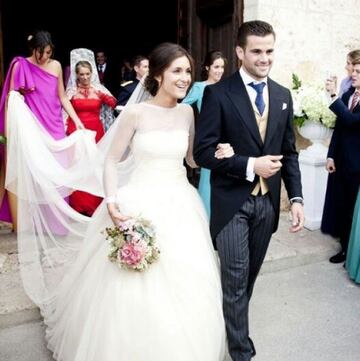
<point x="120" y="143"/>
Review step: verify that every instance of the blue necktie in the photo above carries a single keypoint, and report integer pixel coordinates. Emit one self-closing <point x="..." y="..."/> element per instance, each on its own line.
<point x="259" y="100"/>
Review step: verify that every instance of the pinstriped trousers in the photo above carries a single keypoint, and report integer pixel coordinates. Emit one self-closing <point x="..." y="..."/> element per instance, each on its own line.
<point x="242" y="245"/>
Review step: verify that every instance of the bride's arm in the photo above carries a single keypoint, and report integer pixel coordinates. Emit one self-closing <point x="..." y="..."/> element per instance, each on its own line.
<point x="121" y="141"/>
<point x="223" y="150"/>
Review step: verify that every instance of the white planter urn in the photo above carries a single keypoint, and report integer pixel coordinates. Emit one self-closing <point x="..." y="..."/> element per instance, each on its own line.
<point x="313" y="174"/>
<point x="316" y="133"/>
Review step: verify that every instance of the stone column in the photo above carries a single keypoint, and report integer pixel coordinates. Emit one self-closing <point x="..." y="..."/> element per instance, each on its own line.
<point x="314" y="180"/>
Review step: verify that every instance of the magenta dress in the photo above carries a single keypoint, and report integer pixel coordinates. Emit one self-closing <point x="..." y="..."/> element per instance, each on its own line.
<point x="40" y="90"/>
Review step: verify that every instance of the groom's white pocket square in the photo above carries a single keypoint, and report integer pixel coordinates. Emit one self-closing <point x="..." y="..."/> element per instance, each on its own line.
<point x="284" y="106"/>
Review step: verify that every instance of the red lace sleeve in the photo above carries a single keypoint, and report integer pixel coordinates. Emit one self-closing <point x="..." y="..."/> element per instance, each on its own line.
<point x="108" y="100"/>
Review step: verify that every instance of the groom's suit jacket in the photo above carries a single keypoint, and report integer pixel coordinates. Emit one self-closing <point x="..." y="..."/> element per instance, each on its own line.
<point x="227" y="116"/>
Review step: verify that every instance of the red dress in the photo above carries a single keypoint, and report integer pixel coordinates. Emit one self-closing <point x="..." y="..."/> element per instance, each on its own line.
<point x="88" y="110"/>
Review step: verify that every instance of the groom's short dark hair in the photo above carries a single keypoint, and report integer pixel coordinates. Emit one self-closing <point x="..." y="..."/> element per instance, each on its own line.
<point x="255" y="27"/>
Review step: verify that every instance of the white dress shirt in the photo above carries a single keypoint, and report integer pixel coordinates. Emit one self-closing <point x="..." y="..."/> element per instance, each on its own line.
<point x="102" y="66"/>
<point x="247" y="79"/>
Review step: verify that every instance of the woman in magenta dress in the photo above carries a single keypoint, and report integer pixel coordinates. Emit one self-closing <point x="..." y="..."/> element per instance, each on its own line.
<point x="87" y="100"/>
<point x="39" y="79"/>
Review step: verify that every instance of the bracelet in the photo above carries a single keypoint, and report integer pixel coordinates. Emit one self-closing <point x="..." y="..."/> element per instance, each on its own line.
<point x="110" y="199"/>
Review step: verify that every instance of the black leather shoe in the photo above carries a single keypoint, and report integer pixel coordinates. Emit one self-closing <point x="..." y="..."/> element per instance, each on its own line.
<point x="253" y="351"/>
<point x="338" y="258"/>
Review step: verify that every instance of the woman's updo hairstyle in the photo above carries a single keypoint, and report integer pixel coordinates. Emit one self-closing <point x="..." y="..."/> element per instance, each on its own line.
<point x="39" y="40"/>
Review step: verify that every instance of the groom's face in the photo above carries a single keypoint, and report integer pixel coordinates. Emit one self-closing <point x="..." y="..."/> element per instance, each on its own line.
<point x="257" y="55"/>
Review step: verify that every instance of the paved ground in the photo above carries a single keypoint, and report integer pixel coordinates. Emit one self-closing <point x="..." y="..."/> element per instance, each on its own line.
<point x="303" y="308"/>
<point x="307" y="313"/>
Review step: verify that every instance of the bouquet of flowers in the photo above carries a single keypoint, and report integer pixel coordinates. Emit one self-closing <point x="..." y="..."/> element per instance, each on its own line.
<point x="132" y="244"/>
<point x="311" y="103"/>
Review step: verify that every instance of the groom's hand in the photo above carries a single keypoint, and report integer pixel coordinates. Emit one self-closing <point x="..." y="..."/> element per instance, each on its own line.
<point x="297" y="217"/>
<point x="268" y="165"/>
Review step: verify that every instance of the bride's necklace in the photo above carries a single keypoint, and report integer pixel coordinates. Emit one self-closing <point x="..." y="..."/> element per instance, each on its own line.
<point x="84" y="90"/>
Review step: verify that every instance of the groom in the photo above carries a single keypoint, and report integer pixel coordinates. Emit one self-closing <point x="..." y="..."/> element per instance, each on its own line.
<point x="254" y="114"/>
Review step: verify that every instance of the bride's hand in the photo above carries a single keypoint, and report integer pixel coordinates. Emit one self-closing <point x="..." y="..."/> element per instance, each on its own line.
<point x="224" y="150"/>
<point x="115" y="215"/>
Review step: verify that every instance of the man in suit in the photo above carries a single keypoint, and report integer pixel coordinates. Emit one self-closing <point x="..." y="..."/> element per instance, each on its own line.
<point x="108" y="75"/>
<point x="343" y="161"/>
<point x="254" y="114"/>
<point x="330" y="221"/>
<point x="141" y="67"/>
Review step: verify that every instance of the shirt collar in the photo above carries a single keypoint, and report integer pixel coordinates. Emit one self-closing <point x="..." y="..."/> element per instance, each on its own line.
<point x="248" y="79"/>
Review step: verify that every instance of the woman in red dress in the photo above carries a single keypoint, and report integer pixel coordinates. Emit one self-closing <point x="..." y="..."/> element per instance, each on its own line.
<point x="87" y="100"/>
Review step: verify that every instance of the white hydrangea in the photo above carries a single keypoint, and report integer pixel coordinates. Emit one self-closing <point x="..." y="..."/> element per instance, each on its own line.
<point x="311" y="102"/>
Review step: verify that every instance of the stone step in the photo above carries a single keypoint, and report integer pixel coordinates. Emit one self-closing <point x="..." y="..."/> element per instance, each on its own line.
<point x="286" y="250"/>
<point x="15" y="306"/>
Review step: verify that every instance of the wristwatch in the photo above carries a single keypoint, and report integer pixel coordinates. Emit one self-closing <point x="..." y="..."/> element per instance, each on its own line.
<point x="333" y="95"/>
<point x="297" y="200"/>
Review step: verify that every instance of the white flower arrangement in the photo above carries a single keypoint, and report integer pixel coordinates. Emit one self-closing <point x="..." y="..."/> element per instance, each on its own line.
<point x="311" y="103"/>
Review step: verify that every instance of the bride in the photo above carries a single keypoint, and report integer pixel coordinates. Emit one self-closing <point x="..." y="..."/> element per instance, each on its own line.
<point x="173" y="310"/>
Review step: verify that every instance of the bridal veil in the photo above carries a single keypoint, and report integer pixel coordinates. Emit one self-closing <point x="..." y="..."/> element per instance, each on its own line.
<point x="42" y="172"/>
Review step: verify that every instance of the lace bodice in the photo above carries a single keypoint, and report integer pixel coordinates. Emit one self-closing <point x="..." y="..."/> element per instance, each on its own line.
<point x="159" y="138"/>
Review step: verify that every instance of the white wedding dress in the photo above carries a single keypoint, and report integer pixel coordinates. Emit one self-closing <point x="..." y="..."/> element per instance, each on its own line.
<point x="173" y="310"/>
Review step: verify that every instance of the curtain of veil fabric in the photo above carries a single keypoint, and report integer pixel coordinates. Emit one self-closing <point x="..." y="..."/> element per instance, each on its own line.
<point x="42" y="171"/>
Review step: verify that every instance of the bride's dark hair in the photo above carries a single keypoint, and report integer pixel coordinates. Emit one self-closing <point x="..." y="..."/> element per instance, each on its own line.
<point x="160" y="59"/>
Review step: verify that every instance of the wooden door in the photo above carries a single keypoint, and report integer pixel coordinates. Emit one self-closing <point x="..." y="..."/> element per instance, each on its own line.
<point x="205" y="25"/>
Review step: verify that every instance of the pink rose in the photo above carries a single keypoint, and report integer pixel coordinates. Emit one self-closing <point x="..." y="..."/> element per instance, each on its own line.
<point x="132" y="253"/>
